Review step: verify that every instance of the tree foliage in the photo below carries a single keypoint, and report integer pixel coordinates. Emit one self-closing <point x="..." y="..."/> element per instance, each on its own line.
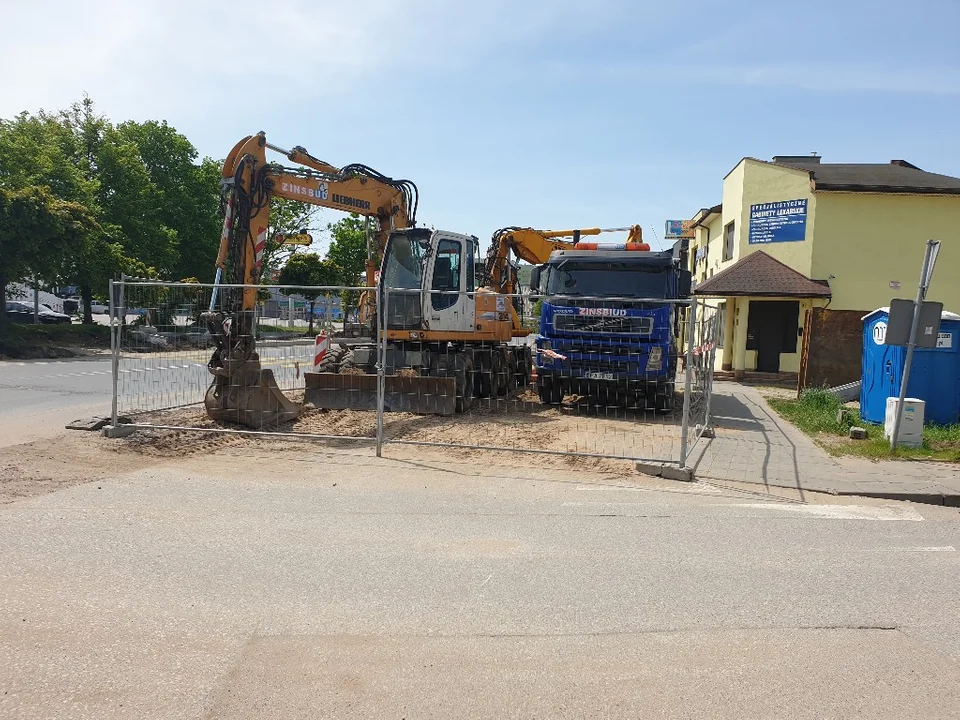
<point x="287" y="217"/>
<point x="155" y="208"/>
<point x="303" y="272"/>
<point x="36" y="232"/>
<point x="348" y="248"/>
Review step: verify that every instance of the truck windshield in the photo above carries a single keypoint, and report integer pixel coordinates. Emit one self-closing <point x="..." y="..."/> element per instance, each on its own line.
<point x="403" y="266"/>
<point x="614" y="279"/>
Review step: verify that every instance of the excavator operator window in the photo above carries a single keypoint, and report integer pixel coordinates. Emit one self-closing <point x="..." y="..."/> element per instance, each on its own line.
<point x="471" y="279"/>
<point x="446" y="274"/>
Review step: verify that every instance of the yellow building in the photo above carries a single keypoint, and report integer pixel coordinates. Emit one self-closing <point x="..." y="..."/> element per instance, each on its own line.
<point x="833" y="242"/>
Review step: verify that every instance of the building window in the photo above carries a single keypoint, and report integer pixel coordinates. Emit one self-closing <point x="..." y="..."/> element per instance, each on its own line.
<point x="728" y="242"/>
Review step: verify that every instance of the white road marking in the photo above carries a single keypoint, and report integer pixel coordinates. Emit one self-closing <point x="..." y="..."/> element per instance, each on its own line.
<point x="699" y="489"/>
<point x="934" y="548"/>
<point x="842" y="512"/>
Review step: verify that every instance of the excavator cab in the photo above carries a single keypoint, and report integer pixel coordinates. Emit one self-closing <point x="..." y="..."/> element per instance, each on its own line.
<point x="437" y="265"/>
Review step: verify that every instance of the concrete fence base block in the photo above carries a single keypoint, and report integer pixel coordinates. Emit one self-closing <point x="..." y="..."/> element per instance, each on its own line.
<point x="707" y="432"/>
<point x="670" y="472"/>
<point x="118" y="431"/>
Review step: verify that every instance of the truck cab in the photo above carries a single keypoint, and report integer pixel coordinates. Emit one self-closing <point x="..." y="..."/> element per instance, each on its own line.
<point x="609" y="328"/>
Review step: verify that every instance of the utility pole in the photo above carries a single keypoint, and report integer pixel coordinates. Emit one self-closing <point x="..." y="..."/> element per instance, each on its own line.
<point x="926" y="274"/>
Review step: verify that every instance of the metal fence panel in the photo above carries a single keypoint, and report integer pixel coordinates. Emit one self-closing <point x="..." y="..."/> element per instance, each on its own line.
<point x="704" y="329"/>
<point x="162" y="348"/>
<point x="602" y="381"/>
<point x="595" y="377"/>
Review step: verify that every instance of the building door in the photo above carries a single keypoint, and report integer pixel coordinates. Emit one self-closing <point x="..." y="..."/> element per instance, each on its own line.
<point x="771" y="330"/>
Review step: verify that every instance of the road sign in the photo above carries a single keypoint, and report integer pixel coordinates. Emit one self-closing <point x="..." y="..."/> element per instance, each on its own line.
<point x="679" y="229"/>
<point x="901" y="315"/>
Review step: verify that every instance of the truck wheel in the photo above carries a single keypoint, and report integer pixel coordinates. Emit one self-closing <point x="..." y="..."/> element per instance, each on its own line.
<point x="550" y="393"/>
<point x="664" y="400"/>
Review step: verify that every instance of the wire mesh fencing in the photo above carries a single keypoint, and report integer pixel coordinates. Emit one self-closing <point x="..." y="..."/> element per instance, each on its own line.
<point x="182" y="349"/>
<point x="605" y="377"/>
<point x="702" y="333"/>
<point x="584" y="376"/>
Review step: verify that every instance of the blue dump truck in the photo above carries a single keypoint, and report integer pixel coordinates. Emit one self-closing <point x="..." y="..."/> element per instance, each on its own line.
<point x="605" y="331"/>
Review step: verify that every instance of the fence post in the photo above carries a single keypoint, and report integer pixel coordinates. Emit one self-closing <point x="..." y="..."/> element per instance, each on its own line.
<point x="383" y="297"/>
<point x="687" y="382"/>
<point x="709" y="370"/>
<point x="115" y="353"/>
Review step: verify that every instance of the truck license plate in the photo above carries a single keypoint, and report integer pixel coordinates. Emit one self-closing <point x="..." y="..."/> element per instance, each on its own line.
<point x="600" y="375"/>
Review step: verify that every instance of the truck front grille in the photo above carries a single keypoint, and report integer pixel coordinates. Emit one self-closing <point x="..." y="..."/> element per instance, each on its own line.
<point x="622" y="325"/>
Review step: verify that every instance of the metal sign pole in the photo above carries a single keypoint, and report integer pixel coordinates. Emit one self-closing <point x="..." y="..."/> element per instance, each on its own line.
<point x="926" y="273"/>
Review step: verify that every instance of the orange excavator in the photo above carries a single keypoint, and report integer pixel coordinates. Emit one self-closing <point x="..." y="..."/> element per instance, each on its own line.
<point x="242" y="391"/>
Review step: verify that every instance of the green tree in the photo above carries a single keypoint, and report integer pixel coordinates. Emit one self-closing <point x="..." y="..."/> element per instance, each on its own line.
<point x="157" y="210"/>
<point x="36" y="232"/>
<point x="187" y="195"/>
<point x="304" y="270"/>
<point x="287" y="217"/>
<point x="348" y="250"/>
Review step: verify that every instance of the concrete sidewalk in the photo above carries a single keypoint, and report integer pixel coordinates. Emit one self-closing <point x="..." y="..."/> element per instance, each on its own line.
<point x="755" y="445"/>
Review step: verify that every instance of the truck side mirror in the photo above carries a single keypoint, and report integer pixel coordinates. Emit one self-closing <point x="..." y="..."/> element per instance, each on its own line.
<point x="684" y="281"/>
<point x="535" y="279"/>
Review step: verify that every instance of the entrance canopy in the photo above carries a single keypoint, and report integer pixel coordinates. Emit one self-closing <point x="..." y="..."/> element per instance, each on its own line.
<point x="759" y="275"/>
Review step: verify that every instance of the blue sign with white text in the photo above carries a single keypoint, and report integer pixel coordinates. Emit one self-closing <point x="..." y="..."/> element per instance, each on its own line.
<point x="784" y="221"/>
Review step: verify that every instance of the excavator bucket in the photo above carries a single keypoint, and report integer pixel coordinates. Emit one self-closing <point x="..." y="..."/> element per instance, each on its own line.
<point x="249" y="395"/>
<point x="422" y="395"/>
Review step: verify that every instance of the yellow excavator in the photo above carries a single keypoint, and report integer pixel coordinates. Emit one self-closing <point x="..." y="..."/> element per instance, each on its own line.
<point x="446" y="319"/>
<point x="241" y="391"/>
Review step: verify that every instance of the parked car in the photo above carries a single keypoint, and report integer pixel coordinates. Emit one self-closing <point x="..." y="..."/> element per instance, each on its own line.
<point x="22" y="312"/>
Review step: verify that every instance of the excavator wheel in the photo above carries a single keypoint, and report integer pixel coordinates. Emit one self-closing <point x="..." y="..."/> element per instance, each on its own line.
<point x="510" y="380"/>
<point x="348" y="362"/>
<point x="487" y="375"/>
<point x="331" y="361"/>
<point x="459" y="366"/>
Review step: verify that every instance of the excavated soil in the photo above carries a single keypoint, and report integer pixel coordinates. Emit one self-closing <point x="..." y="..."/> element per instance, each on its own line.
<point x="519" y="422"/>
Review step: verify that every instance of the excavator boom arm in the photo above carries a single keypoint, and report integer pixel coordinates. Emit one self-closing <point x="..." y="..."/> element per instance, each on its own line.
<point x="242" y="391"/>
<point x="250" y="182"/>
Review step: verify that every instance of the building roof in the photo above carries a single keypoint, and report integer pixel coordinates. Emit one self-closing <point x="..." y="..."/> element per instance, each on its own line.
<point x="703" y="214"/>
<point x="759" y="274"/>
<point x="897" y="176"/>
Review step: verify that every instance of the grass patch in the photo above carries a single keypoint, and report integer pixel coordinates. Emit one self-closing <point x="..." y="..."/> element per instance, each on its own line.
<point x="817" y="412"/>
<point x="39" y="341"/>
<point x="282" y="329"/>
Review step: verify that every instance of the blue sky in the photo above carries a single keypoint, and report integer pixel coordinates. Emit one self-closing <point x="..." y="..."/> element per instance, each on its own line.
<point x="550" y="114"/>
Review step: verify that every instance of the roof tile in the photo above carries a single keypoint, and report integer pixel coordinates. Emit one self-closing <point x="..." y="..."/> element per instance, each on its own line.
<point x="760" y="274"/>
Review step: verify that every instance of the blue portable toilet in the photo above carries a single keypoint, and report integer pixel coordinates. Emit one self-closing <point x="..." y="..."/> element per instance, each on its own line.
<point x="934" y="375"/>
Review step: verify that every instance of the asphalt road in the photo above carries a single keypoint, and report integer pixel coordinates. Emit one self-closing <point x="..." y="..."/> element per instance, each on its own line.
<point x="313" y="584"/>
<point x="38" y="397"/>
